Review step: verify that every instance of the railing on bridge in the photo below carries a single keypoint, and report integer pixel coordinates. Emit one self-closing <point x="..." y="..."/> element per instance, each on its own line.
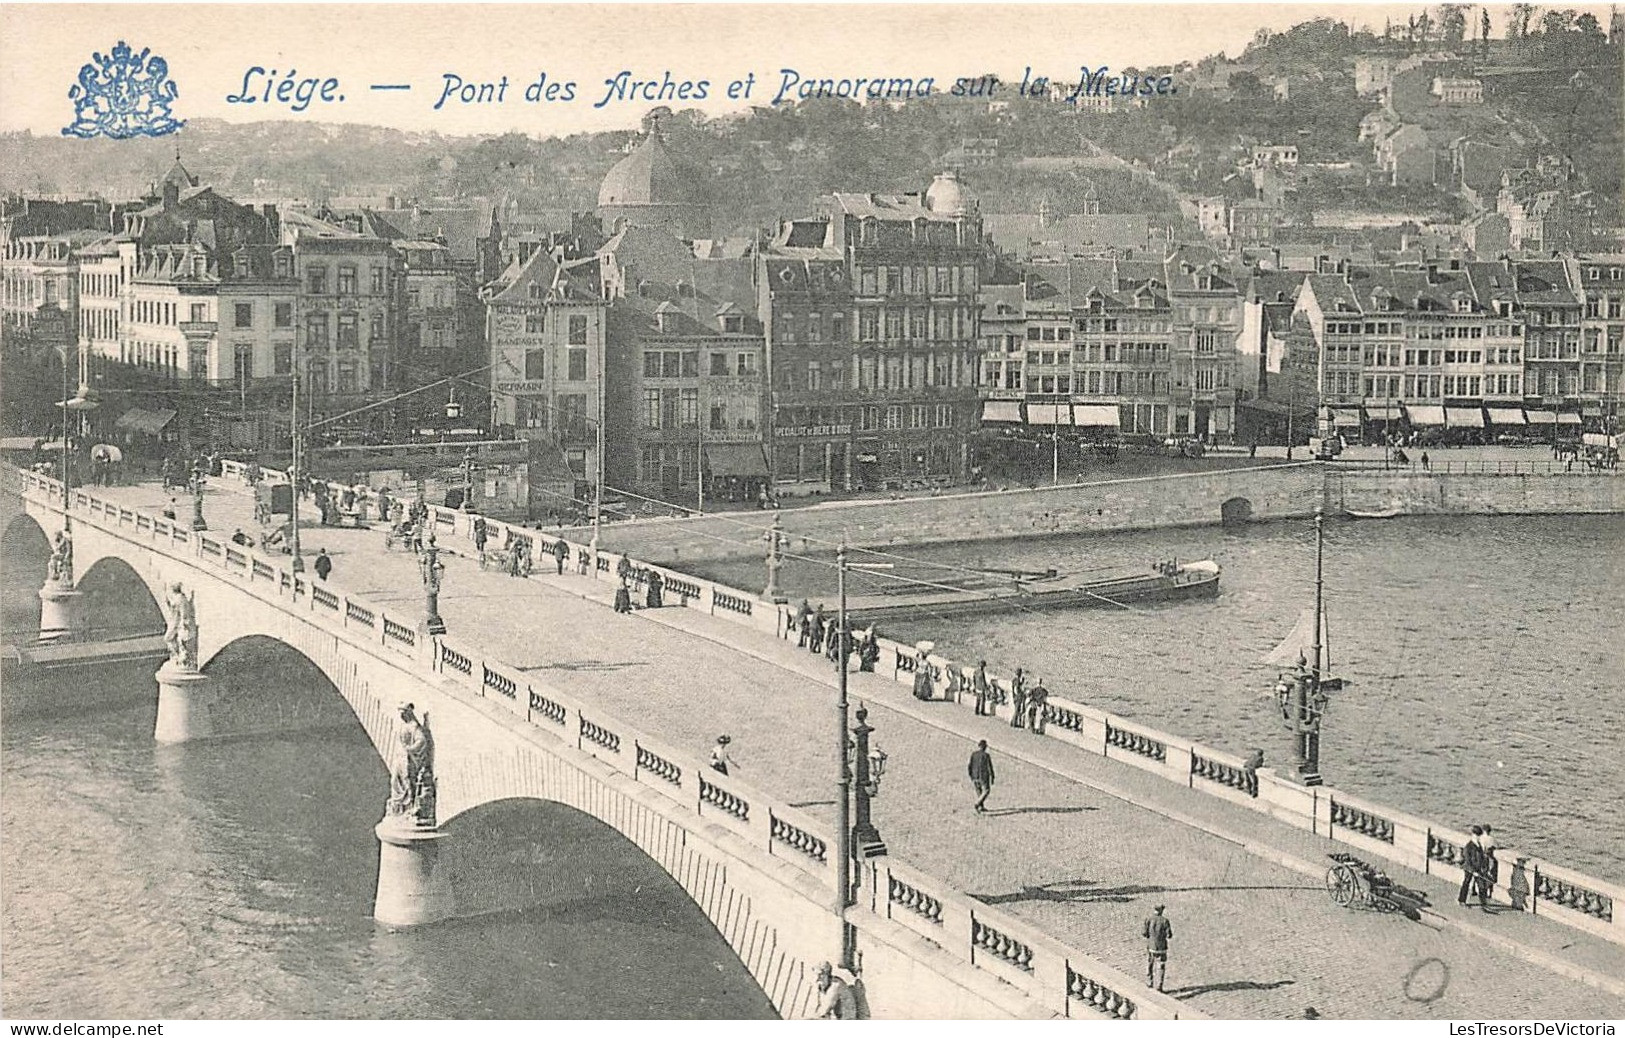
<point x="1062" y="979"/>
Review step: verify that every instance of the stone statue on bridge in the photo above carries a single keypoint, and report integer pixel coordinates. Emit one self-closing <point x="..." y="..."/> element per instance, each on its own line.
<point x="411" y="773"/>
<point x="59" y="568"/>
<point x="181" y="635"/>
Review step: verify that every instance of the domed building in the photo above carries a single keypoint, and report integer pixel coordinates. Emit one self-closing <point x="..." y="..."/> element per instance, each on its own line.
<point x="648" y="188"/>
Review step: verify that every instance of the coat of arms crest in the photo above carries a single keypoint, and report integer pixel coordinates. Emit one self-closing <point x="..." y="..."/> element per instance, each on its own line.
<point x="122" y="95"/>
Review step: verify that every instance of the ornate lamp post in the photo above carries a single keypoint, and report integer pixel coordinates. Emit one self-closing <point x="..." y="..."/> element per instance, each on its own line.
<point x="433" y="570"/>
<point x="198" y="522"/>
<point x="775" y="559"/>
<point x="871" y="765"/>
<point x="1303" y="703"/>
<point x="468" y="480"/>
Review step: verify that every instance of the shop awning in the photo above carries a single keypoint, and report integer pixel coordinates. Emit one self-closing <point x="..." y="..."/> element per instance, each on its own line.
<point x="142" y="421"/>
<point x="1346" y="416"/>
<point x="1464" y="418"/>
<point x="1567" y="418"/>
<point x="1591" y="407"/>
<point x="1382" y="412"/>
<point x="1049" y="414"/>
<point x="735" y="459"/>
<point x="1506" y="416"/>
<point x="1541" y="417"/>
<point x="1001" y="411"/>
<point x="1095" y="416"/>
<point x="1424" y="414"/>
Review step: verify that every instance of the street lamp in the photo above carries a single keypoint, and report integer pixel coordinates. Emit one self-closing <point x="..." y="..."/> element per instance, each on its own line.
<point x="843" y="783"/>
<point x="1303" y="703"/>
<point x="775" y="559"/>
<point x="433" y="570"/>
<point x="871" y="765"/>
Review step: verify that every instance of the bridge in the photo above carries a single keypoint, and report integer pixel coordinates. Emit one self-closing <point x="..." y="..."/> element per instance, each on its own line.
<point x="1031" y="911"/>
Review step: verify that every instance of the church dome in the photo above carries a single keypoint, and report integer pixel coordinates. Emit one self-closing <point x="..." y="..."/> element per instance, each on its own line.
<point x="948" y="196"/>
<point x="646" y="176"/>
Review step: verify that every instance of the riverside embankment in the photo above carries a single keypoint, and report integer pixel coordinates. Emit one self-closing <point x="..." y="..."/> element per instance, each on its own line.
<point x="1278" y="491"/>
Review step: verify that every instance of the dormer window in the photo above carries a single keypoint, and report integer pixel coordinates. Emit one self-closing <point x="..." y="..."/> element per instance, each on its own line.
<point x="667" y="322"/>
<point x="535" y="290"/>
<point x="1462" y="304"/>
<point x="869" y="231"/>
<point x="732" y="323"/>
<point x="643" y="289"/>
<point x="685" y="290"/>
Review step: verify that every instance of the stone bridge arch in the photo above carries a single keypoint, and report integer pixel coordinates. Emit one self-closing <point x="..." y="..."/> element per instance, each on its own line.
<point x="116" y="602"/>
<point x="24" y="549"/>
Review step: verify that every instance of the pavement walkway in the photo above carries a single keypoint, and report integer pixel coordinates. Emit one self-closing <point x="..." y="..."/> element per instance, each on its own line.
<point x="1076" y="844"/>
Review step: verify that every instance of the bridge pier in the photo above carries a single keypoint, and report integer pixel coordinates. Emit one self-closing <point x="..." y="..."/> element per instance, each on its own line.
<point x="183" y="705"/>
<point x="414" y="888"/>
<point x="60" y="611"/>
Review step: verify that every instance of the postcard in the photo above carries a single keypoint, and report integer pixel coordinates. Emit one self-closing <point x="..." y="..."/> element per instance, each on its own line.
<point x="739" y="512"/>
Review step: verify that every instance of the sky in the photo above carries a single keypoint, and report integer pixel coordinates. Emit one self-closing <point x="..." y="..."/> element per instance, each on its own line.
<point x="210" y="48"/>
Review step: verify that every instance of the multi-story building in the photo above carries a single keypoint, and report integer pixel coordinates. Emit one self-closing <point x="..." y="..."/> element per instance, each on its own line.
<point x="1551" y="309"/>
<point x="348" y="315"/>
<point x="545" y="323"/>
<point x="1601" y="279"/>
<point x="686" y="368"/>
<point x="871" y="319"/>
<point x="1204" y="296"/>
<point x="1123" y="348"/>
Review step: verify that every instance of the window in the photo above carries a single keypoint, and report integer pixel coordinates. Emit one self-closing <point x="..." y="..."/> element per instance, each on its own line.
<point x="578" y="334"/>
<point x="347" y="332"/>
<point x="347" y="377"/>
<point x="316" y="279"/>
<point x="691" y="408"/>
<point x="534" y="290"/>
<point x="284" y="315"/>
<point x="894" y="417"/>
<point x="719" y="364"/>
<point x="578" y="360"/>
<point x="346" y="281"/>
<point x="242" y="365"/>
<point x="837" y="327"/>
<point x="691" y="364"/>
<point x="377" y="281"/>
<point x="746" y="364"/>
<point x="316" y="330"/>
<point x="649" y="461"/>
<point x="651" y="408"/>
<point x="732" y="323"/>
<point x="533" y="324"/>
<point x="282" y="358"/>
<point x="535" y="365"/>
<point x="719" y="417"/>
<point x="200" y="312"/>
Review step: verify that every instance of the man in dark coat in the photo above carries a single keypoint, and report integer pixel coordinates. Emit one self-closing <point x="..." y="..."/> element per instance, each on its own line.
<point x="323" y="564"/>
<point x="981" y="775"/>
<point x="1473" y="869"/>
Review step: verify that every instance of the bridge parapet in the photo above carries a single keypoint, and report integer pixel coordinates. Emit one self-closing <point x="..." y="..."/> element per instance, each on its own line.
<point x="1055" y="979"/>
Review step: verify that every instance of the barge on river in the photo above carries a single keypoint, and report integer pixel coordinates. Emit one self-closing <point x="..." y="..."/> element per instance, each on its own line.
<point x="1166" y="582"/>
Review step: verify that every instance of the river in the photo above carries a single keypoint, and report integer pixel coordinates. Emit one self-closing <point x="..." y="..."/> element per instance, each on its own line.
<point x="234" y="879"/>
<point x="1485" y="656"/>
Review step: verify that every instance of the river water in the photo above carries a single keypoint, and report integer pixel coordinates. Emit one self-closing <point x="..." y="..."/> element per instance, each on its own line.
<point x="1486" y="657"/>
<point x="234" y="879"/>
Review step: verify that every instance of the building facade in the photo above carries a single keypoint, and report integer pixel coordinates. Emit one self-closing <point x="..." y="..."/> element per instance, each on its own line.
<point x="871" y="318"/>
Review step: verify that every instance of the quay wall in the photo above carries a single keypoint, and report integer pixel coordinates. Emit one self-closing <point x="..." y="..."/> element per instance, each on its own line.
<point x="1153" y="502"/>
<point x="1415" y="492"/>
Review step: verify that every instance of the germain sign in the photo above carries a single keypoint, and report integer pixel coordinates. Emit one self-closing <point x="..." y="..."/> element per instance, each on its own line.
<point x="534" y="386"/>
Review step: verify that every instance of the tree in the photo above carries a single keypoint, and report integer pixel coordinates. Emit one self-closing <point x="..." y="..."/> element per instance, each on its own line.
<point x="1484" y="31"/>
<point x="1518" y="23"/>
<point x="1452" y="24"/>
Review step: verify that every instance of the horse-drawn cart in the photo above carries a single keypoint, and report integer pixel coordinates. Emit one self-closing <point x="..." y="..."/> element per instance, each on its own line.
<point x="1354" y="883"/>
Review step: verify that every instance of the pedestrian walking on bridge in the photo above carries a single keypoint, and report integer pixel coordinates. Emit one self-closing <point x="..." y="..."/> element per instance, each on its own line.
<point x="1018" y="699"/>
<point x="1158" y="932"/>
<point x="981" y="775"/>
